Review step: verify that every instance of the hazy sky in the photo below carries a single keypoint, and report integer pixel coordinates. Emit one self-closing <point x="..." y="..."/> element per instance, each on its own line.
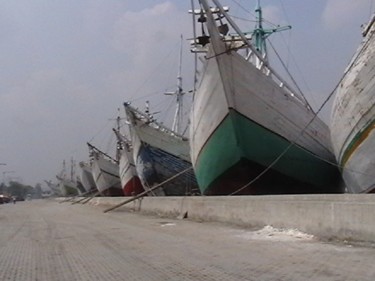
<point x="66" y="66"/>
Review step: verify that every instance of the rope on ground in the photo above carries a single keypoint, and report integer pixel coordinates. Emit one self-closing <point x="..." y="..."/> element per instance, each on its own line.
<point x="147" y="191"/>
<point x="92" y="196"/>
<point x="68" y="199"/>
<point x="84" y="197"/>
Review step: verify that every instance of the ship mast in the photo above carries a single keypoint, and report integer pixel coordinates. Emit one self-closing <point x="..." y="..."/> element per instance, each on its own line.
<point x="260" y="34"/>
<point x="63" y="172"/>
<point x="179" y="93"/>
<point x="119" y="145"/>
<point x="72" y="169"/>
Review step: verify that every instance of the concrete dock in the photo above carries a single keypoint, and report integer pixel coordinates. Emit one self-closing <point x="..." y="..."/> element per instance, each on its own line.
<point x="328" y="216"/>
<point x="47" y="240"/>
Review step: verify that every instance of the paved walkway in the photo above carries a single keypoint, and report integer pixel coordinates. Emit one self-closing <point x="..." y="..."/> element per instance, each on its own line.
<point x="44" y="240"/>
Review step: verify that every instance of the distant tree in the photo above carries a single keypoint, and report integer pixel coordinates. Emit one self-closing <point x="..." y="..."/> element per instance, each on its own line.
<point x="15" y="188"/>
<point x="3" y="188"/>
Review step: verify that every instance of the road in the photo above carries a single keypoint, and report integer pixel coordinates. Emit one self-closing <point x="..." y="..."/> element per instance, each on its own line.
<point x="46" y="240"/>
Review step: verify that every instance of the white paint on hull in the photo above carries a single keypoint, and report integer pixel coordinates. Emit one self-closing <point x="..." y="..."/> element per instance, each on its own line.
<point x="146" y="132"/>
<point x="360" y="168"/>
<point x="65" y="185"/>
<point x="106" y="173"/>
<point x="353" y="110"/>
<point x="228" y="81"/>
<point x="165" y="141"/>
<point x="126" y="167"/>
<point x="86" y="176"/>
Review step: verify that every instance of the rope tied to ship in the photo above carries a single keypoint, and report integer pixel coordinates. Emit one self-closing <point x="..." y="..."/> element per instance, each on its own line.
<point x="140" y="195"/>
<point x="293" y="143"/>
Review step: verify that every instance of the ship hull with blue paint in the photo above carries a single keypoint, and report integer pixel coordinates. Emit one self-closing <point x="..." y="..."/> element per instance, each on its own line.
<point x="160" y="154"/>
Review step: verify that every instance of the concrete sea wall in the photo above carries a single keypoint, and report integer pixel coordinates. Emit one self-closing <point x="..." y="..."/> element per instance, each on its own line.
<point x="342" y="216"/>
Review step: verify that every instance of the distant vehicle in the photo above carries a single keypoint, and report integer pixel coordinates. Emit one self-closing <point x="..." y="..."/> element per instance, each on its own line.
<point x="4" y="199"/>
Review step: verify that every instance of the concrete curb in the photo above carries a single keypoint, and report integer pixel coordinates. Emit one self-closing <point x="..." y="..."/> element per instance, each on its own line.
<point x="342" y="216"/>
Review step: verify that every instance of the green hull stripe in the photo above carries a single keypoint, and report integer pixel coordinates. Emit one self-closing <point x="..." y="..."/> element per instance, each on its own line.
<point x="238" y="137"/>
<point x="356" y="141"/>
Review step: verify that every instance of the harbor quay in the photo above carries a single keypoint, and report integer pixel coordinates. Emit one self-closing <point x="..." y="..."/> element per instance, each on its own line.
<point x="57" y="240"/>
<point x="327" y="216"/>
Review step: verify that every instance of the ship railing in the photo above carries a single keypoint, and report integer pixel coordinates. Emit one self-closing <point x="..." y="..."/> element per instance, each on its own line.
<point x="147" y="119"/>
<point x="124" y="142"/>
<point x="368" y="26"/>
<point x="254" y="59"/>
<point x="94" y="152"/>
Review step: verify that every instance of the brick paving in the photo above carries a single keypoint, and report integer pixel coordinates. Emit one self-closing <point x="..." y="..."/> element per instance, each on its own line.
<point x="44" y="240"/>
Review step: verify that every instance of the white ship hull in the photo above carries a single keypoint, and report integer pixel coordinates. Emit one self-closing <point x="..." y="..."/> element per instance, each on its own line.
<point x="130" y="181"/>
<point x="353" y="119"/>
<point x="86" y="177"/>
<point x="241" y="115"/>
<point x="160" y="154"/>
<point x="68" y="187"/>
<point x="106" y="176"/>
